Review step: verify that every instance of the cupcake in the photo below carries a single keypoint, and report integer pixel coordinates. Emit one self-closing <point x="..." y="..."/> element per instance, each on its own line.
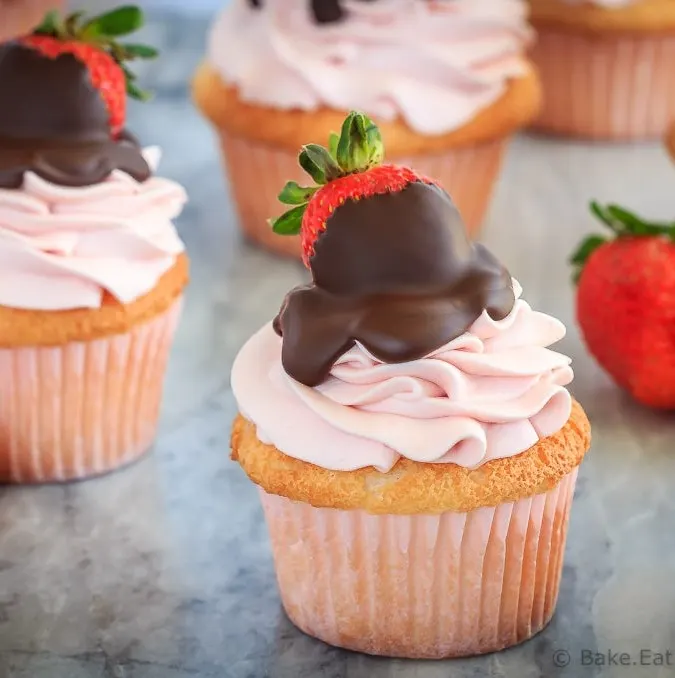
<point x="410" y="433"/>
<point x="447" y="82"/>
<point x="92" y="267"/>
<point x="606" y="67"/>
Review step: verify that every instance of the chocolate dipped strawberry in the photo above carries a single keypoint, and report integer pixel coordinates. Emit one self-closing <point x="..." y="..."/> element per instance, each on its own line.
<point x="392" y="266"/>
<point x="68" y="84"/>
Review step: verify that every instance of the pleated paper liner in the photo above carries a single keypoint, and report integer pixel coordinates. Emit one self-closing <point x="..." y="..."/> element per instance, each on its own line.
<point x="606" y="87"/>
<point x="85" y="408"/>
<point x="421" y="586"/>
<point x="257" y="173"/>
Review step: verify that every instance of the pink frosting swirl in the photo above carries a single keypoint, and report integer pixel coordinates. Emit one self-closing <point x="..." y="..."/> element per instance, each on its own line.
<point x="491" y="393"/>
<point x="436" y="64"/>
<point x="61" y="247"/>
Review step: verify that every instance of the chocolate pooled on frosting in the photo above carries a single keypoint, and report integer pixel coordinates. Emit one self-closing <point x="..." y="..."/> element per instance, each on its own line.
<point x="53" y="122"/>
<point x="396" y="273"/>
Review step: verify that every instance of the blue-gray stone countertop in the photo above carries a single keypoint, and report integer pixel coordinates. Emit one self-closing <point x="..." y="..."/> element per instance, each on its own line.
<point x="164" y="570"/>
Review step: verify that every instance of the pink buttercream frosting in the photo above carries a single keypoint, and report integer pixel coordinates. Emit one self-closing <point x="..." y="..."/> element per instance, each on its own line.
<point x="62" y="248"/>
<point x="436" y="64"/>
<point x="491" y="393"/>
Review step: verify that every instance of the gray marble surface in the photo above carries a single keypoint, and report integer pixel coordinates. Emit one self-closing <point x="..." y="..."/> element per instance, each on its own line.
<point x="164" y="569"/>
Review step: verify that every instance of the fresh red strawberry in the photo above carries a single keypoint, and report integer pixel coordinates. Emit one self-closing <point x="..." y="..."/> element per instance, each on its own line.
<point x="350" y="169"/>
<point x="92" y="42"/>
<point x="626" y="303"/>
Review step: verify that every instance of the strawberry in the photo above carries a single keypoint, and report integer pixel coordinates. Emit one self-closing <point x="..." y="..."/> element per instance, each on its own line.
<point x="626" y="303"/>
<point x="350" y="169"/>
<point x="92" y="42"/>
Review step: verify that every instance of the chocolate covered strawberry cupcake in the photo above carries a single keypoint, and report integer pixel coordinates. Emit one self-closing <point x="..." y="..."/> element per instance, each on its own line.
<point x="410" y="431"/>
<point x="91" y="267"/>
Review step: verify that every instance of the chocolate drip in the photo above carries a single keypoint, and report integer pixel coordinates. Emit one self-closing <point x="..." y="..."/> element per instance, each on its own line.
<point x="53" y="122"/>
<point x="324" y="11"/>
<point x="396" y="273"/>
<point x="327" y="11"/>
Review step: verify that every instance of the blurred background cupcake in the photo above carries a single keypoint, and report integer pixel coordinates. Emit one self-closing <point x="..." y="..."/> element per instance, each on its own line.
<point x="447" y="82"/>
<point x="93" y="269"/>
<point x="606" y="67"/>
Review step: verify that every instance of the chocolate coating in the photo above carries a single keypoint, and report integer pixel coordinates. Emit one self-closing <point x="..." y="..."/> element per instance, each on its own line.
<point x="327" y="11"/>
<point x="53" y="122"/>
<point x="398" y="274"/>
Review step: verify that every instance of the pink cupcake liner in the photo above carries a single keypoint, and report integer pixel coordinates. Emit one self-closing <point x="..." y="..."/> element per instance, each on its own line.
<point x="606" y="87"/>
<point x="258" y="172"/>
<point x="421" y="586"/>
<point x="84" y="408"/>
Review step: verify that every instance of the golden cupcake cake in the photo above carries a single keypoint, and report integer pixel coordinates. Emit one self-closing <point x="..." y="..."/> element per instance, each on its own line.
<point x="606" y="67"/>
<point x="92" y="269"/>
<point x="410" y="432"/>
<point x="448" y="83"/>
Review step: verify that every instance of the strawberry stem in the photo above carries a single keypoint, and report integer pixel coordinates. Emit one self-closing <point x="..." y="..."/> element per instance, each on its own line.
<point x="625" y="223"/>
<point x="51" y="25"/>
<point x="360" y="145"/>
<point x="356" y="149"/>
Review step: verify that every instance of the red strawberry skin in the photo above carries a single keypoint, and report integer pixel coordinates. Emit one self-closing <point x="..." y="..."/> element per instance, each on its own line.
<point x="376" y="181"/>
<point x="105" y="73"/>
<point x="626" y="312"/>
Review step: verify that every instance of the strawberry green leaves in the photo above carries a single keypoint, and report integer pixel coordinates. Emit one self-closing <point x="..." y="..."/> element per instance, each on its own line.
<point x="118" y="22"/>
<point x="621" y="223"/>
<point x="319" y="164"/>
<point x="357" y="148"/>
<point x="290" y="222"/>
<point x="333" y="143"/>
<point x="293" y="194"/>
<point x="134" y="51"/>
<point x="121" y="21"/>
<point x="51" y="24"/>
<point x="133" y="90"/>
<point x="625" y="223"/>
<point x="583" y="252"/>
